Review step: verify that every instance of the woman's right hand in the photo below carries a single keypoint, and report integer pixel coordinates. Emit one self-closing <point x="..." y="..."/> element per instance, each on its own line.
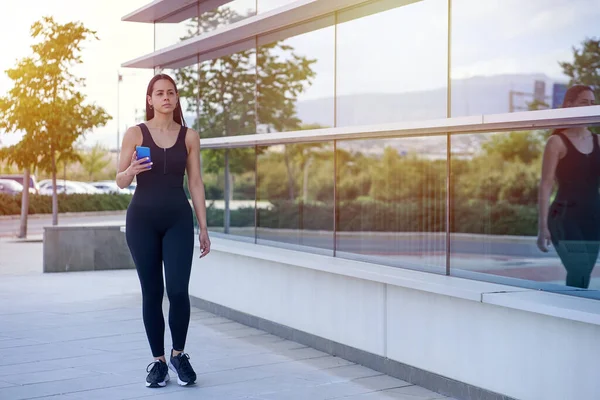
<point x="544" y="240"/>
<point x="136" y="166"/>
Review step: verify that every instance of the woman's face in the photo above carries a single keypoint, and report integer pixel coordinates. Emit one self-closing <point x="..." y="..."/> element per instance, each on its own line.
<point x="164" y="98"/>
<point x="585" y="98"/>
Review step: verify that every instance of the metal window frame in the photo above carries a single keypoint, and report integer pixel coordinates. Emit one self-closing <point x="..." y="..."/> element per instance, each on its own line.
<point x="171" y="11"/>
<point x="284" y="17"/>
<point x="526" y="120"/>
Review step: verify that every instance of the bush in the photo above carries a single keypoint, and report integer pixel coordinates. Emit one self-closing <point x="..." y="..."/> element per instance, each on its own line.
<point x="11" y="205"/>
<point x="423" y="215"/>
<point x="478" y="217"/>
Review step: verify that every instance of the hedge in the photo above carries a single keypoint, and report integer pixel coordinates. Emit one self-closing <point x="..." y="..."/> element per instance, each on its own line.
<point x="416" y="216"/>
<point x="474" y="216"/>
<point x="38" y="204"/>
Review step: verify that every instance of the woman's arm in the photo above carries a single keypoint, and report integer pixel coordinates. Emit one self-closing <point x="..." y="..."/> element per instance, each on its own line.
<point x="196" y="187"/>
<point x="129" y="167"/>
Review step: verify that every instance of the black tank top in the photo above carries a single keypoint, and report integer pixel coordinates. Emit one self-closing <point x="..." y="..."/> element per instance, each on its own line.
<point x="578" y="175"/>
<point x="163" y="184"/>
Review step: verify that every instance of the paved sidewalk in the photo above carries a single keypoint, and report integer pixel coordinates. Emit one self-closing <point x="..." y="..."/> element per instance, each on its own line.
<point x="79" y="335"/>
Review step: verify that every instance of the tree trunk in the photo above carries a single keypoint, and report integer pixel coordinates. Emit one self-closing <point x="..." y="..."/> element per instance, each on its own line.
<point x="290" y="175"/>
<point x="227" y="194"/>
<point x="24" y="205"/>
<point x="305" y="182"/>
<point x="54" y="194"/>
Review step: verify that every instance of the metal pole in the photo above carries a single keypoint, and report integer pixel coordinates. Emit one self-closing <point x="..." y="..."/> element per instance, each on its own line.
<point x="119" y="78"/>
<point x="449" y="204"/>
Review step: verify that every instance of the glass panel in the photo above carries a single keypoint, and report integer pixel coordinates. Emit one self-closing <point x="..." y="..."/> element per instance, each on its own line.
<point x="295" y="196"/>
<point x="230" y="171"/>
<point x="268" y="5"/>
<point x="185" y="24"/>
<point x="392" y="202"/>
<point x="296" y="78"/>
<point x="513" y="63"/>
<point x="169" y="33"/>
<point x="496" y="180"/>
<point x="390" y="67"/>
<point x="227" y="95"/>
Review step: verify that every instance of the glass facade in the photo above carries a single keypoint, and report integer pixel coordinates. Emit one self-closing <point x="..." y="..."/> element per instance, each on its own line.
<point x="198" y="19"/>
<point x="227" y="88"/>
<point x="296" y="78"/>
<point x="494" y="225"/>
<point x="391" y="201"/>
<point x="514" y="60"/>
<point x="460" y="203"/>
<point x="268" y="5"/>
<point x="383" y="60"/>
<point x="230" y="186"/>
<point x="295" y="193"/>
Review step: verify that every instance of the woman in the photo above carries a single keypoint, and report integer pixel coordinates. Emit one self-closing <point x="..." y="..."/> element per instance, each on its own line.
<point x="160" y="222"/>
<point x="572" y="222"/>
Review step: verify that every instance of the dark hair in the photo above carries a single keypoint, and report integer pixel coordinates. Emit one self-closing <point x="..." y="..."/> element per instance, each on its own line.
<point x="573" y="93"/>
<point x="177" y="113"/>
<point x="571" y="96"/>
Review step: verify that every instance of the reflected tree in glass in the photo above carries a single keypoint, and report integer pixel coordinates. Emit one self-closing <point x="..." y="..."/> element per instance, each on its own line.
<point x="223" y="93"/>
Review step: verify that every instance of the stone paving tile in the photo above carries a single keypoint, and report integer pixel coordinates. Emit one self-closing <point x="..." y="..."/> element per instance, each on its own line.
<point x="5" y="384"/>
<point x="46" y="376"/>
<point x="80" y="336"/>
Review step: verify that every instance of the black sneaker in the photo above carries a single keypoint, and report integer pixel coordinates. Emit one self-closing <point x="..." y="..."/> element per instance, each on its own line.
<point x="158" y="375"/>
<point x="181" y="365"/>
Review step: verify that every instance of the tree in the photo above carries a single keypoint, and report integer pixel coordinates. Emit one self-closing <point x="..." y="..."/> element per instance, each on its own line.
<point x="585" y="68"/>
<point x="94" y="161"/>
<point x="44" y="102"/>
<point x="25" y="155"/>
<point x="523" y="146"/>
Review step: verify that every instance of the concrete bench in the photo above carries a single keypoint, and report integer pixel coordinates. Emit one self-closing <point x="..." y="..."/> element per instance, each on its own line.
<point x="90" y="247"/>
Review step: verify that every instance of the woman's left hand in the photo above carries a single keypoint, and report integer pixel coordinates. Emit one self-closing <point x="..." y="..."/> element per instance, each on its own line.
<point x="204" y="243"/>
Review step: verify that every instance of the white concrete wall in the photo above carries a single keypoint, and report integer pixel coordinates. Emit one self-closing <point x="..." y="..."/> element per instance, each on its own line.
<point x="324" y="304"/>
<point x="439" y="324"/>
<point x="521" y="354"/>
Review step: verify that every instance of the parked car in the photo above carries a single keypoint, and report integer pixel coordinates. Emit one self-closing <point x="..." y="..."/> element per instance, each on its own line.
<point x="89" y="189"/>
<point x="9" y="186"/>
<point x="68" y="187"/>
<point x="33" y="185"/>
<point x="132" y="187"/>
<point x="109" y="187"/>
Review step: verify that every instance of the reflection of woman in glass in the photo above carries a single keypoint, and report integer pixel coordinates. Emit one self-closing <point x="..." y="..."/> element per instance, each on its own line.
<point x="572" y="221"/>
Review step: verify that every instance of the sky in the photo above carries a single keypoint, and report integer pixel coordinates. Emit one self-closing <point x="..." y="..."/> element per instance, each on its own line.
<point x="400" y="50"/>
<point x="119" y="42"/>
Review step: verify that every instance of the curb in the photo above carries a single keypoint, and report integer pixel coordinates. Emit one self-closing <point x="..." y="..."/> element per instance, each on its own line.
<point x="66" y="214"/>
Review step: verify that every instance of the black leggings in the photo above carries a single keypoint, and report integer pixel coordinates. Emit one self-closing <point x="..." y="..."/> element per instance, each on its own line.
<point x="154" y="236"/>
<point x="575" y="235"/>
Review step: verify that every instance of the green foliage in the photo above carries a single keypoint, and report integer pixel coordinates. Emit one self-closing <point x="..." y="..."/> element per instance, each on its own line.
<point x="94" y="161"/>
<point x="515" y="146"/>
<point x="225" y="91"/>
<point x="475" y="217"/>
<point x="585" y="68"/>
<point x="44" y="102"/>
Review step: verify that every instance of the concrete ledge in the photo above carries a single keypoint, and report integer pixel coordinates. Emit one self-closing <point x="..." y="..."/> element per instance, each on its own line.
<point x="550" y="304"/>
<point x="85" y="248"/>
<point x="437" y="383"/>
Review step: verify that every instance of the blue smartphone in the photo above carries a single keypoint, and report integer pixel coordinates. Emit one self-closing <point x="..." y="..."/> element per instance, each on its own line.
<point x="143" y="152"/>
